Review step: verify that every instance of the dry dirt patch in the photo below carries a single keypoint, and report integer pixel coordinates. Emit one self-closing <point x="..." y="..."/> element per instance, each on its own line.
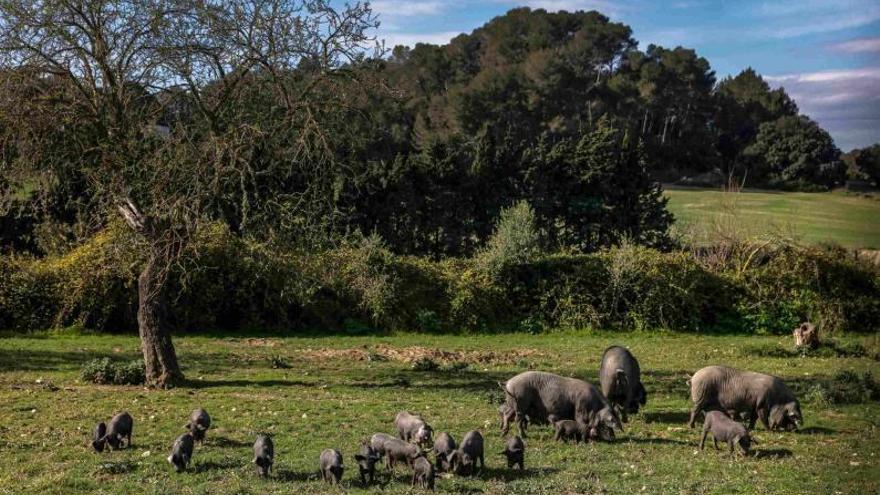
<point x="414" y="353"/>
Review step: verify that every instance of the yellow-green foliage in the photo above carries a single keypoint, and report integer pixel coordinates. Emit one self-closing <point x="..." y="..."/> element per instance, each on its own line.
<point x="92" y="285"/>
<point x="235" y="282"/>
<point x="787" y="284"/>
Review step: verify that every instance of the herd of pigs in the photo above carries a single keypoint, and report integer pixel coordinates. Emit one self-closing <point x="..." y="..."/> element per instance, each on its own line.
<point x="578" y="411"/>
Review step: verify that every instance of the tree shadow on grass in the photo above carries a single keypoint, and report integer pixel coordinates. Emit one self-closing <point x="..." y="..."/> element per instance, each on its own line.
<point x="654" y="441"/>
<point x="772" y="453"/>
<point x="817" y="430"/>
<point x="205" y="466"/>
<point x="288" y="475"/>
<point x="28" y="360"/>
<point x="508" y="475"/>
<point x="226" y="442"/>
<point x="676" y="417"/>
<point x="200" y="384"/>
<point x="470" y="381"/>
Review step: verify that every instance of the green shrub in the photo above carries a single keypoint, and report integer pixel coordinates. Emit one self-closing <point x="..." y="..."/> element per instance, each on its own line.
<point x="108" y="372"/>
<point x="428" y="321"/>
<point x="457" y="367"/>
<point x="789" y="284"/>
<point x="228" y="283"/>
<point x="847" y="387"/>
<point x="279" y="363"/>
<point x="425" y="364"/>
<point x="515" y="241"/>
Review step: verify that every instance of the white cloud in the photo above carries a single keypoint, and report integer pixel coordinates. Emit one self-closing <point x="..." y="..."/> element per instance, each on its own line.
<point x="828" y="75"/>
<point x="845" y="102"/>
<point x="393" y="39"/>
<point x="826" y="24"/>
<point x="404" y="8"/>
<point x="862" y="45"/>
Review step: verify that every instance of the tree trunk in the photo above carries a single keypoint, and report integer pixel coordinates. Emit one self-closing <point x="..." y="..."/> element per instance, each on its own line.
<point x="160" y="358"/>
<point x="665" y="125"/>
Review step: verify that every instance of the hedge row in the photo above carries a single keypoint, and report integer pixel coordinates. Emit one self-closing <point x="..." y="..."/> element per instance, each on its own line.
<point x="235" y="283"/>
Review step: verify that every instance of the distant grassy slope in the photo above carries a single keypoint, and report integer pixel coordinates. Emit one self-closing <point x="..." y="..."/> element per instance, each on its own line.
<point x="848" y="219"/>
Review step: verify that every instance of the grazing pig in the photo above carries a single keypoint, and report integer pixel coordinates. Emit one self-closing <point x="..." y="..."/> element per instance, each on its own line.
<point x="119" y="429"/>
<point x="537" y="394"/>
<point x="377" y="442"/>
<point x="98" y="436"/>
<point x="599" y="432"/>
<point x="181" y="452"/>
<point x="507" y="415"/>
<point x="331" y="466"/>
<point x="199" y="422"/>
<point x="366" y="460"/>
<point x="760" y="396"/>
<point x="515" y="453"/>
<point x="444" y="446"/>
<point x="567" y="429"/>
<point x="469" y="454"/>
<point x="397" y="450"/>
<point x="264" y="455"/>
<point x="423" y="473"/>
<point x="413" y="428"/>
<point x="726" y="430"/>
<point x="620" y="378"/>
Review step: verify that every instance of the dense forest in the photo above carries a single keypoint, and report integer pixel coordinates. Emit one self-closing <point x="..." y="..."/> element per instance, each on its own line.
<point x="560" y="109"/>
<point x="187" y="164"/>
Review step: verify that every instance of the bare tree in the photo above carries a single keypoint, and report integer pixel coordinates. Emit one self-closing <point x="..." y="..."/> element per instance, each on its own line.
<point x="175" y="113"/>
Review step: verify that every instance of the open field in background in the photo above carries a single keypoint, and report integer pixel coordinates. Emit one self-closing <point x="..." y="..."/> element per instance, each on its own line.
<point x="332" y="395"/>
<point x="849" y="219"/>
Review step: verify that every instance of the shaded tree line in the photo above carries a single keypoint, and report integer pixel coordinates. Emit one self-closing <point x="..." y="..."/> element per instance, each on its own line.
<point x="284" y="121"/>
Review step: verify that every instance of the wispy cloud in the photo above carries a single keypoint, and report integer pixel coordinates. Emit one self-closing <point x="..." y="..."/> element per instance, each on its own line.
<point x="845" y="102"/>
<point x="861" y="45"/>
<point x="827" y="23"/>
<point x="405" y="8"/>
<point x="828" y="76"/>
<point x="393" y="39"/>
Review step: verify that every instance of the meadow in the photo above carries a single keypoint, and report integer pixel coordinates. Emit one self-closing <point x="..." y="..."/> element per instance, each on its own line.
<point x="851" y="220"/>
<point x="311" y="393"/>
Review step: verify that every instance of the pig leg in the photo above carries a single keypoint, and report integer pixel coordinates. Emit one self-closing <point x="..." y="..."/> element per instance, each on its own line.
<point x="762" y="415"/>
<point x="697" y="408"/>
<point x="703" y="440"/>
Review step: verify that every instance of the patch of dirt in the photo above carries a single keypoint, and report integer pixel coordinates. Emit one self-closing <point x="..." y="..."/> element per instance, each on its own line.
<point x="414" y="353"/>
<point x="261" y="342"/>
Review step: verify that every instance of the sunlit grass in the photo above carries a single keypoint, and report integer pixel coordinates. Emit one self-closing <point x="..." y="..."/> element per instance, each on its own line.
<point x="331" y="396"/>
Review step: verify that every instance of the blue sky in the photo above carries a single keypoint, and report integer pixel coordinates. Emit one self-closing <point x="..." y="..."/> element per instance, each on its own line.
<point x="825" y="53"/>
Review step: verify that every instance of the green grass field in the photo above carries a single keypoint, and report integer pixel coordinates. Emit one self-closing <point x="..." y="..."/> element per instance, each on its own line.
<point x="333" y="396"/>
<point x="848" y="219"/>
